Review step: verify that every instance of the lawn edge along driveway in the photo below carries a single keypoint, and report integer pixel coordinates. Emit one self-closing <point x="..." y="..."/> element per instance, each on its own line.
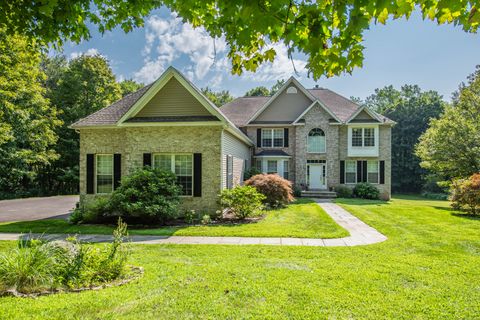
<point x="360" y="234"/>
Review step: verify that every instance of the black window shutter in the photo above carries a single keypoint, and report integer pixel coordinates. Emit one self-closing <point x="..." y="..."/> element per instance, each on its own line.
<point x="197" y="174"/>
<point x="382" y="172"/>
<point x="259" y="137"/>
<point x="90" y="173"/>
<point x="342" y="172"/>
<point x="359" y="171"/>
<point x="285" y="137"/>
<point x="147" y="159"/>
<point x="117" y="170"/>
<point x="364" y="171"/>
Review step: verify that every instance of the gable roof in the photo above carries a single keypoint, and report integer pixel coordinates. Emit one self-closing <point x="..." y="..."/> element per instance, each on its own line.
<point x="111" y="114"/>
<point x="118" y="114"/>
<point x="287" y="83"/>
<point x="338" y="106"/>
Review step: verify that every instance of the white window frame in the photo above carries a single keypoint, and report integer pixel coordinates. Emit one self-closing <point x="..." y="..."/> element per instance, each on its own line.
<point x="96" y="172"/>
<point x="363" y="151"/>
<point x="286" y="169"/>
<point x="377" y="172"/>
<point x="172" y="166"/>
<point x="324" y="144"/>
<point x="345" y="171"/>
<point x="276" y="166"/>
<point x="271" y="132"/>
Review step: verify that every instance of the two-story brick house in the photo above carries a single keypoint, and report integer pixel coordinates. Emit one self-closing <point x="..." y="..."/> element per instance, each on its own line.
<point x="315" y="138"/>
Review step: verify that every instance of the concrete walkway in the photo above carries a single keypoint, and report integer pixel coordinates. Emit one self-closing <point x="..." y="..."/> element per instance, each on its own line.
<point x="360" y="234"/>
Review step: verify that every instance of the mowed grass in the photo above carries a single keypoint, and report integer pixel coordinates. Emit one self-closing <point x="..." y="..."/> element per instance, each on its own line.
<point x="303" y="219"/>
<point x="427" y="269"/>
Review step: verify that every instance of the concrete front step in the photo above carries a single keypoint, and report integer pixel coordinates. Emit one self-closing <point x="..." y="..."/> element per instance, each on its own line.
<point x="322" y="194"/>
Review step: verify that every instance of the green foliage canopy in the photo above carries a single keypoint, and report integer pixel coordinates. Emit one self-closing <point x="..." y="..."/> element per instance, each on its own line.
<point x="412" y="109"/>
<point x="329" y="33"/>
<point x="129" y="86"/>
<point x="451" y="145"/>
<point x="77" y="88"/>
<point x="27" y="120"/>
<point x="218" y="98"/>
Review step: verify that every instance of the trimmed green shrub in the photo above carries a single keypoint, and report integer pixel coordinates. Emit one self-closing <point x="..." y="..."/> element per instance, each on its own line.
<point x="250" y="173"/>
<point x="243" y="201"/>
<point x="91" y="212"/>
<point x="344" y="192"/>
<point x="277" y="191"/>
<point x="146" y="196"/>
<point x="297" y="191"/>
<point x="206" y="219"/>
<point x="366" y="190"/>
<point x="36" y="265"/>
<point x="465" y="194"/>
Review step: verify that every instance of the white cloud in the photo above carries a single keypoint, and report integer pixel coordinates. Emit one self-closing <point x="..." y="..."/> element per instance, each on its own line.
<point x="171" y="39"/>
<point x="201" y="58"/>
<point x="89" y="52"/>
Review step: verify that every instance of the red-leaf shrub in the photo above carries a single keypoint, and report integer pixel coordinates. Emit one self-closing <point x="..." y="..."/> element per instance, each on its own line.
<point x="465" y="194"/>
<point x="278" y="191"/>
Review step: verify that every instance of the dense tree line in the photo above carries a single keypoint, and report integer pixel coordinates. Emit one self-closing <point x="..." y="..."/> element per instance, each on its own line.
<point x="412" y="109"/>
<point x="40" y="97"/>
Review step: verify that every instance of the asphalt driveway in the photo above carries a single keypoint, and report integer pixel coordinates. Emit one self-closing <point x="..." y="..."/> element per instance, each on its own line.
<point x="28" y="209"/>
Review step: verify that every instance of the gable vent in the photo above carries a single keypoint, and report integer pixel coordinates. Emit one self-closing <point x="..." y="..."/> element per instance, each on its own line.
<point x="291" y="90"/>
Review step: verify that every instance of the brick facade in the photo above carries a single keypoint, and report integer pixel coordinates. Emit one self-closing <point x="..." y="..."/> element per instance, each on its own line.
<point x="132" y="143"/>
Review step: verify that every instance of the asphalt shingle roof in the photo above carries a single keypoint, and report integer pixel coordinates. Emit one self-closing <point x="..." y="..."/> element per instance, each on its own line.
<point x="239" y="111"/>
<point x="111" y="114"/>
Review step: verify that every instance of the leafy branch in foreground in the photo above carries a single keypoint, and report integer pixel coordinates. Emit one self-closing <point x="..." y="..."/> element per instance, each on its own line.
<point x="330" y="33"/>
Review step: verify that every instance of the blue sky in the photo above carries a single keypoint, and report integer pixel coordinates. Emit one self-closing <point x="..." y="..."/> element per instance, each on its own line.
<point x="402" y="52"/>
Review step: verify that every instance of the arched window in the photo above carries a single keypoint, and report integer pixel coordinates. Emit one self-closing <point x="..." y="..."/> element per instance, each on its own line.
<point x="316" y="141"/>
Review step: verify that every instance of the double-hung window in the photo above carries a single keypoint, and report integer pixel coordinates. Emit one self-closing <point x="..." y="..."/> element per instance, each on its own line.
<point x="272" y="166"/>
<point x="104" y="173"/>
<point x="272" y="138"/>
<point x="363" y="137"/>
<point x="350" y="171"/>
<point x="285" y="169"/>
<point x="372" y="171"/>
<point x="181" y="165"/>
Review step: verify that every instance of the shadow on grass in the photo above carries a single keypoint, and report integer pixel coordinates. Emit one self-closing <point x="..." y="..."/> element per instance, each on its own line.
<point x="468" y="216"/>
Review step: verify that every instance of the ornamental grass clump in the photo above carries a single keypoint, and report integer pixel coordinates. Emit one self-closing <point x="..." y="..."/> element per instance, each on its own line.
<point x="37" y="267"/>
<point x="277" y="190"/>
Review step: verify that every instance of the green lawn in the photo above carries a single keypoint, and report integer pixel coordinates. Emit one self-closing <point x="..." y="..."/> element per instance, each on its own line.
<point x="427" y="269"/>
<point x="303" y="219"/>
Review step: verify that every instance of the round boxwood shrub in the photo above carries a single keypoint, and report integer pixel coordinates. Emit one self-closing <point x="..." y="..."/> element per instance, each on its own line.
<point x="366" y="190"/>
<point x="145" y="196"/>
<point x="277" y="191"/>
<point x="344" y="192"/>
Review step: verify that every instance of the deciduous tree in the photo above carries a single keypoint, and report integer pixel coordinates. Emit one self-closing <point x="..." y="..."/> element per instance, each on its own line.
<point x="451" y="145"/>
<point x="27" y="120"/>
<point x="329" y="33"/>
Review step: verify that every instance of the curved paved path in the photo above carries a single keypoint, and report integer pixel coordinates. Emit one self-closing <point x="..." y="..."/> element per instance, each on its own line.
<point x="360" y="234"/>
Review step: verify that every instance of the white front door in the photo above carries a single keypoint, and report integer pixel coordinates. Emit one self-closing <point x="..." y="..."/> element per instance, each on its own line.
<point x="316" y="176"/>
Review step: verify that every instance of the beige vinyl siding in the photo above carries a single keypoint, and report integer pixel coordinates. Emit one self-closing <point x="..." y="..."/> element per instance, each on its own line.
<point x="240" y="152"/>
<point x="363" y="115"/>
<point x="173" y="100"/>
<point x="286" y="106"/>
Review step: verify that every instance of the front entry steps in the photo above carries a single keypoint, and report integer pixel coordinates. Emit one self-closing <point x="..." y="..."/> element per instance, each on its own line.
<point x="321" y="194"/>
